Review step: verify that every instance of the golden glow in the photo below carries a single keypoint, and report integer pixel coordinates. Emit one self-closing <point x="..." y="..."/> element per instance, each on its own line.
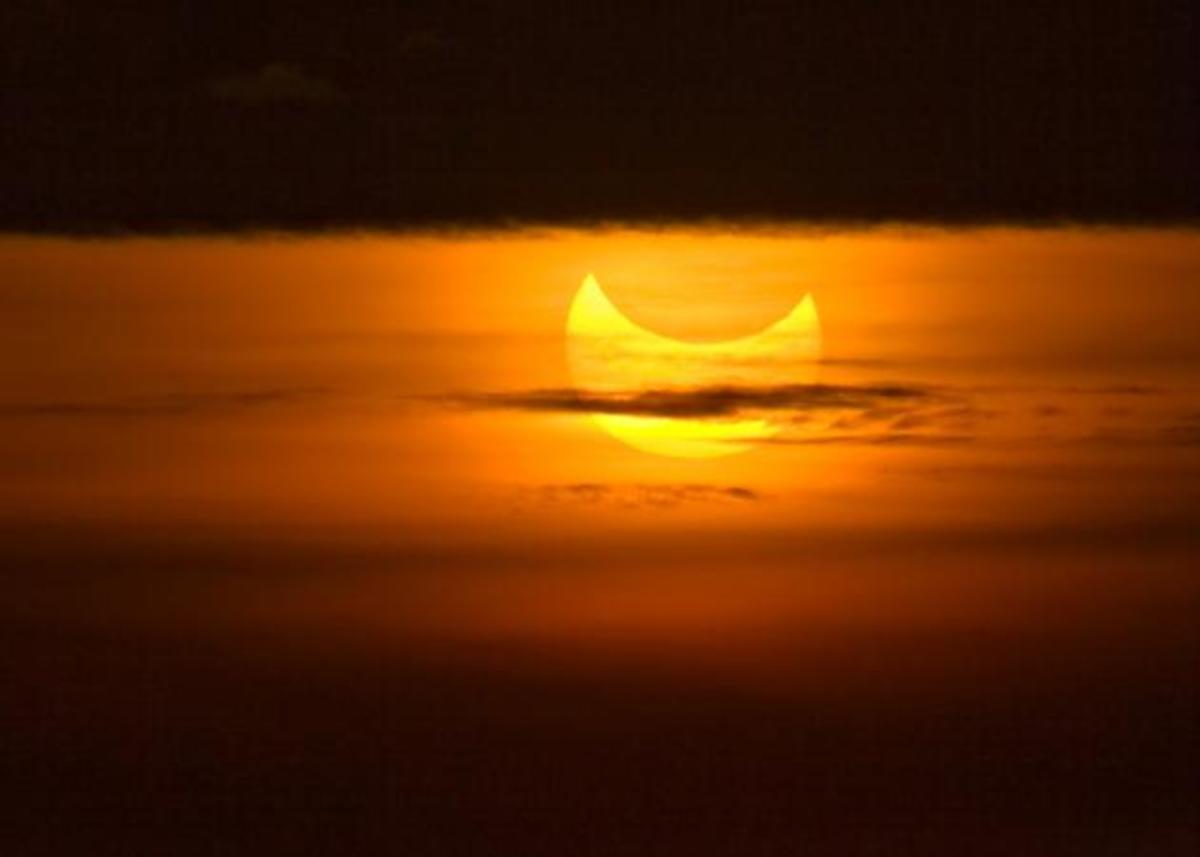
<point x="233" y="360"/>
<point x="610" y="354"/>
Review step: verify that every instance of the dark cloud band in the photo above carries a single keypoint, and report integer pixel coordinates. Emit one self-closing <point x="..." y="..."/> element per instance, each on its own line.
<point x="716" y="402"/>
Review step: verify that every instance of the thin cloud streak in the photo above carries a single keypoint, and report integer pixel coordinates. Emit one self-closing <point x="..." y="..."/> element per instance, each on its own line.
<point x="643" y="495"/>
<point x="875" y="439"/>
<point x="880" y="414"/>
<point x="717" y="402"/>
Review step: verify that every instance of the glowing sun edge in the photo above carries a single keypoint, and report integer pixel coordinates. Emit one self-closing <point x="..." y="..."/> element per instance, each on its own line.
<point x="608" y="353"/>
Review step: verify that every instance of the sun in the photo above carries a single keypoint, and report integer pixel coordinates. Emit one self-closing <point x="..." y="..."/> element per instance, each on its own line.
<point x="609" y="354"/>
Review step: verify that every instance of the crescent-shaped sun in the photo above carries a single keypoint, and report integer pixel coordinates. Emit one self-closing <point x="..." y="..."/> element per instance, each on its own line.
<point x="611" y="355"/>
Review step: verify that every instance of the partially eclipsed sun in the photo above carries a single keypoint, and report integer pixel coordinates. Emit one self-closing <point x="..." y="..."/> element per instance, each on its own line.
<point x="609" y="354"/>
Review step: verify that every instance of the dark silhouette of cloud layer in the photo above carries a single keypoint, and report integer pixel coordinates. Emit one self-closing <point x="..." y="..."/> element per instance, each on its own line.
<point x="887" y="414"/>
<point x="875" y="438"/>
<point x="643" y="496"/>
<point x="864" y="414"/>
<point x="1180" y="432"/>
<point x="879" y="415"/>
<point x="1185" y="431"/>
<point x="725" y="401"/>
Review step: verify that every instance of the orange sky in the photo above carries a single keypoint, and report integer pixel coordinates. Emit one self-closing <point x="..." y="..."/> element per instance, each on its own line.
<point x="360" y="447"/>
<point x="197" y="379"/>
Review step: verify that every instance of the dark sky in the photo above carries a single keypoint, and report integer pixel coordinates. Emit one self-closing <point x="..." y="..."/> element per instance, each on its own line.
<point x="228" y="115"/>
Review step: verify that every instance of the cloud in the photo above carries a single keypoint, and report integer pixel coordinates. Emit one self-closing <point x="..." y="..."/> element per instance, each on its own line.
<point x="1048" y="411"/>
<point x="274" y="83"/>
<point x="865" y="414"/>
<point x="885" y="438"/>
<point x="166" y="404"/>
<point x="881" y="414"/>
<point x="643" y="495"/>
<point x="715" y="402"/>
<point x="1184" y="432"/>
<point x="1114" y="390"/>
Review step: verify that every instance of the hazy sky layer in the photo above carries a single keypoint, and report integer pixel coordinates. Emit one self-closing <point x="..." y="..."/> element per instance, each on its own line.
<point x="279" y="514"/>
<point x="1000" y="376"/>
<point x="985" y="400"/>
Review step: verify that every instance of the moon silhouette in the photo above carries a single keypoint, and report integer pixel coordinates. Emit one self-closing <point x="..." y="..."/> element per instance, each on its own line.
<point x="611" y="355"/>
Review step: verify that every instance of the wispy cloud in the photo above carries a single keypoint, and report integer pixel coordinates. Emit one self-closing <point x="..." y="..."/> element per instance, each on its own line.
<point x="877" y="438"/>
<point x="890" y="414"/>
<point x="715" y="402"/>
<point x="874" y="414"/>
<point x="643" y="495"/>
<point x="1114" y="390"/>
<point x="1183" y="431"/>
